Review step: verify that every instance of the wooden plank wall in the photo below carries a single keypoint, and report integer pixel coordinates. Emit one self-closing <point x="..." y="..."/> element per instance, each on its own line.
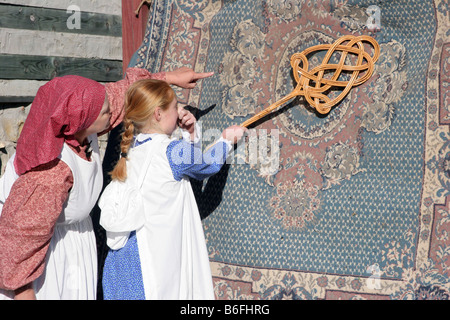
<point x="42" y="39"/>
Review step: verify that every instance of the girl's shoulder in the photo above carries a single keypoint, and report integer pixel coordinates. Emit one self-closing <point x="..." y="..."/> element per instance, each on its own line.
<point x="143" y="138"/>
<point x="157" y="144"/>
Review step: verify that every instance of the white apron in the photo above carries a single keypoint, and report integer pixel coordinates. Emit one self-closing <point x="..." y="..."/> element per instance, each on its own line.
<point x="71" y="262"/>
<point x="172" y="248"/>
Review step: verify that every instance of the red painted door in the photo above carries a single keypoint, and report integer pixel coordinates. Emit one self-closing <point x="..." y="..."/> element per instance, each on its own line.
<point x="133" y="28"/>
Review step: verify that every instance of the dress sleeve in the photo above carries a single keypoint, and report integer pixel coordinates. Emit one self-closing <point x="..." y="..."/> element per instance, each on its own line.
<point x="187" y="160"/>
<point x="116" y="92"/>
<point x="27" y="222"/>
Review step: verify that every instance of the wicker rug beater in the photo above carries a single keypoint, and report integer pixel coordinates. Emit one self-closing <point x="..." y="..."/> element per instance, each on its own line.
<point x="314" y="86"/>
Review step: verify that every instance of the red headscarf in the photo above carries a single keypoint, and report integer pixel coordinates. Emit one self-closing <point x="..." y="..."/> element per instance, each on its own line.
<point x="61" y="108"/>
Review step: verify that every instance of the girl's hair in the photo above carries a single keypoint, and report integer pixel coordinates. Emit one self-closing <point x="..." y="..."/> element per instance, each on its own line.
<point x="141" y="100"/>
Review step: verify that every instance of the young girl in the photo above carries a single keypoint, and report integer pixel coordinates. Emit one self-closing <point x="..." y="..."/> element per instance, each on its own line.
<point x="160" y="251"/>
<point x="51" y="184"/>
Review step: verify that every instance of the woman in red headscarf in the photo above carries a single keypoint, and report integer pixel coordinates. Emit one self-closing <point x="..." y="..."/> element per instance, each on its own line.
<point x="51" y="184"/>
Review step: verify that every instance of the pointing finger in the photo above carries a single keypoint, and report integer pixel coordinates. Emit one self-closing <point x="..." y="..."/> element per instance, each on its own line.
<point x="202" y="75"/>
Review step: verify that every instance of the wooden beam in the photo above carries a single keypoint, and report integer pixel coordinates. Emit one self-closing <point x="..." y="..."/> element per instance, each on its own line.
<point x="46" y="68"/>
<point x="21" y="100"/>
<point x="60" y="44"/>
<point x="45" y="19"/>
<point x="108" y="7"/>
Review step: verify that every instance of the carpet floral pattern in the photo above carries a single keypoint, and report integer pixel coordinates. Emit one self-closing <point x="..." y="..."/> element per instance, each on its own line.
<point x="356" y="205"/>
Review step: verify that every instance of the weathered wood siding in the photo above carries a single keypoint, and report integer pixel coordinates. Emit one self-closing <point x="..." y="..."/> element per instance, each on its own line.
<point x="40" y="40"/>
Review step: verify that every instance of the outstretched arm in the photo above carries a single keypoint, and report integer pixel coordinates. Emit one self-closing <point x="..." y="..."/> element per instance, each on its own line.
<point x="185" y="77"/>
<point x="187" y="159"/>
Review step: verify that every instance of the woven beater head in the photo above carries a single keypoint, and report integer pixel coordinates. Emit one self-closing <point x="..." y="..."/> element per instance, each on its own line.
<point x="314" y="86"/>
<point x="315" y="94"/>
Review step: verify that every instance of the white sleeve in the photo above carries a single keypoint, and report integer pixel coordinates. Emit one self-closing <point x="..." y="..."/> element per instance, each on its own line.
<point x="6" y="181"/>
